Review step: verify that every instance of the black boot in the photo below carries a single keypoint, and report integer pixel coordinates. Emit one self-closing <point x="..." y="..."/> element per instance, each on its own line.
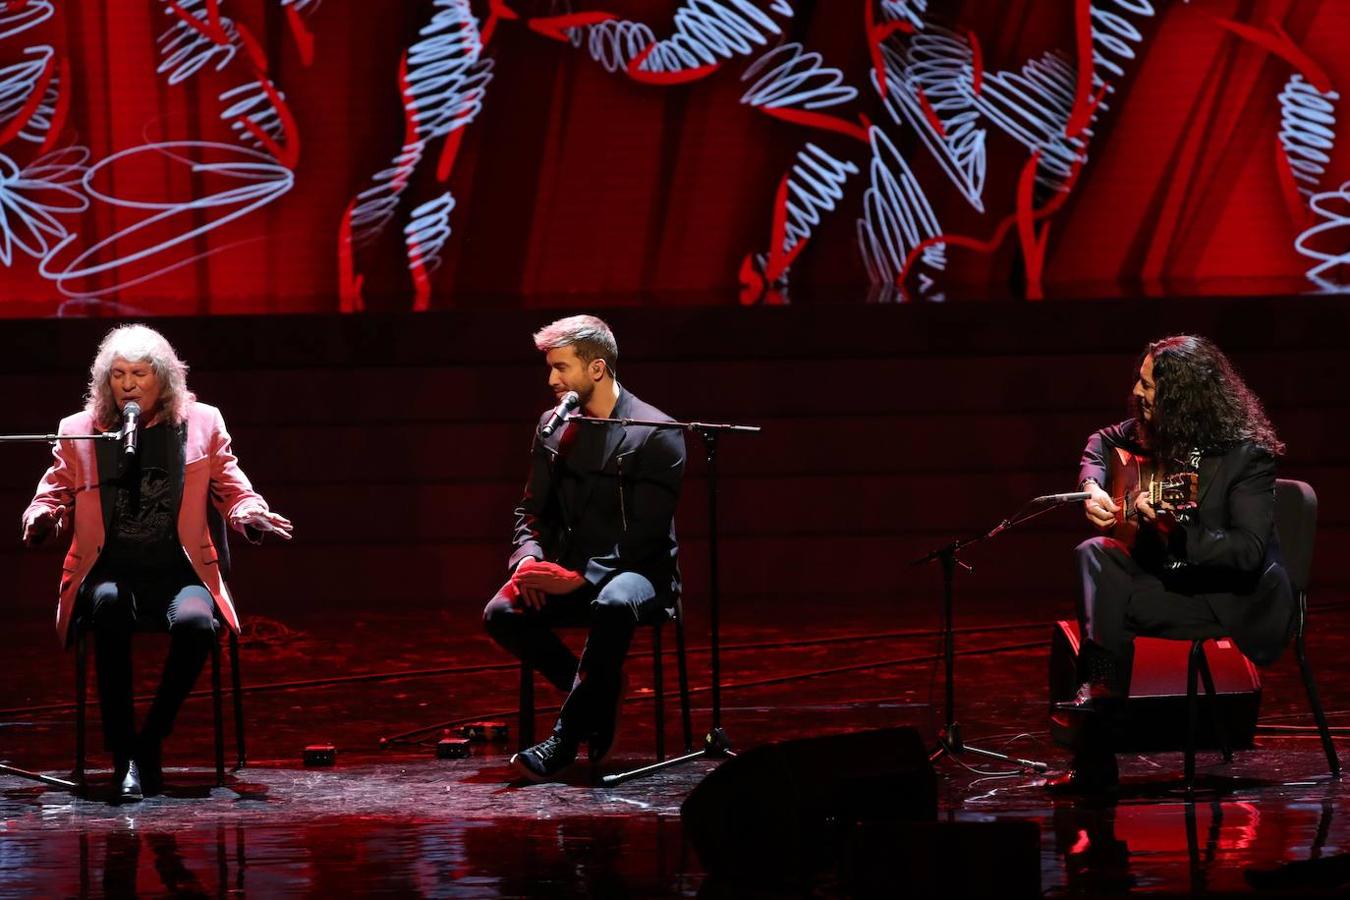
<point x="545" y="759"/>
<point x="1094" y="769"/>
<point x="1100" y="705"/>
<point x="1103" y="677"/>
<point x="1093" y="773"/>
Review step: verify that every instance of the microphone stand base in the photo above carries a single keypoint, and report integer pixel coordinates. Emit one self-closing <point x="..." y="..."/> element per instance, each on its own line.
<point x="49" y="780"/>
<point x="949" y="743"/>
<point x="716" y="745"/>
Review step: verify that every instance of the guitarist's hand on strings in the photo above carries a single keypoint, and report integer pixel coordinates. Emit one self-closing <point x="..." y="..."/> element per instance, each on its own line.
<point x="1164" y="516"/>
<point x="1100" y="508"/>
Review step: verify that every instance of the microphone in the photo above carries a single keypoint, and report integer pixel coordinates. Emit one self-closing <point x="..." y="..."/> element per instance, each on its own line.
<point x="131" y="419"/>
<point x="1071" y="497"/>
<point x="570" y="401"/>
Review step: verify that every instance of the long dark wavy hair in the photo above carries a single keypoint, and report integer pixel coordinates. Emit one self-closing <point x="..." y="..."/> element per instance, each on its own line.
<point x="1201" y="403"/>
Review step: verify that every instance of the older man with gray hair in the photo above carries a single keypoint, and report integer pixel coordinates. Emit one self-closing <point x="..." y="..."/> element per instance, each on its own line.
<point x="594" y="542"/>
<point x="141" y="552"/>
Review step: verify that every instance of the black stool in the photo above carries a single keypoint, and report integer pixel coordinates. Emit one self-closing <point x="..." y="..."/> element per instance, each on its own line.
<point x="81" y="694"/>
<point x="658" y="687"/>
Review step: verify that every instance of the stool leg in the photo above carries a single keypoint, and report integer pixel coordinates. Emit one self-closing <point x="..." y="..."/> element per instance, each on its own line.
<point x="237" y="701"/>
<point x="216" y="712"/>
<point x="1320" y="717"/>
<point x="81" y="692"/>
<point x="1192" y="712"/>
<point x="526" y="705"/>
<point x="682" y="671"/>
<point x="659" y="689"/>
<point x="1216" y="714"/>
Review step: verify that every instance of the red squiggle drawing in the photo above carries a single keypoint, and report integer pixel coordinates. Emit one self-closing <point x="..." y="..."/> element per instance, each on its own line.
<point x="876" y="36"/>
<point x="304" y="38"/>
<point x="34" y="77"/>
<point x="557" y="28"/>
<point x="1277" y="41"/>
<point x="498" y="12"/>
<point x="679" y="76"/>
<point x="350" y="283"/>
<point x="1000" y="231"/>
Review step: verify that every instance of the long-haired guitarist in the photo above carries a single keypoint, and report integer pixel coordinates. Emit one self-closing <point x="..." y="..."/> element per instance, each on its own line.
<point x="1186" y="490"/>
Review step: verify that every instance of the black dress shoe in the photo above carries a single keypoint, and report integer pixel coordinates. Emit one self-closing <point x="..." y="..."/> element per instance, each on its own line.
<point x="1092" y="698"/>
<point x="149" y="760"/>
<point x="129" y="788"/>
<point x="545" y="759"/>
<point x="1087" y="778"/>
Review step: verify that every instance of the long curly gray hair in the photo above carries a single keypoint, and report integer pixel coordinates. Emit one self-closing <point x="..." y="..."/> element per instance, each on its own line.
<point x="137" y="343"/>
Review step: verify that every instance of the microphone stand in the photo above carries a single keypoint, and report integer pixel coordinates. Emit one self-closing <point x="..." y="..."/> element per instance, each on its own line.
<point x="50" y="439"/>
<point x="949" y="741"/>
<point x="53" y="438"/>
<point x="716" y="744"/>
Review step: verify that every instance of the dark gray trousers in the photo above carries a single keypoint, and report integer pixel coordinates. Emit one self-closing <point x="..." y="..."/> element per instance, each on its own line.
<point x="116" y="605"/>
<point x="591" y="682"/>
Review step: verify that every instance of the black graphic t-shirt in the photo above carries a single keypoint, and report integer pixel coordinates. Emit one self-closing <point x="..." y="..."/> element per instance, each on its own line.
<point x="144" y="527"/>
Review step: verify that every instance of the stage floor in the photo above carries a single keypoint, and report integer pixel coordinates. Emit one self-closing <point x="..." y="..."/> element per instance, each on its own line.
<point x="398" y="820"/>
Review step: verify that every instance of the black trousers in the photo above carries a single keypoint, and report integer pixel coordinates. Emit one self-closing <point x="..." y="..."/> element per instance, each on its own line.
<point x="591" y="682"/>
<point x="1120" y="601"/>
<point x="116" y="604"/>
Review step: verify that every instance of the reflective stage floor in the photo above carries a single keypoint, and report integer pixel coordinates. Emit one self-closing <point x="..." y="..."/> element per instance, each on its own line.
<point x="398" y="820"/>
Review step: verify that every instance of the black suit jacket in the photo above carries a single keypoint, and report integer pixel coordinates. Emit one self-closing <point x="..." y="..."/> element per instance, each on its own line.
<point x="603" y="502"/>
<point x="1226" y="550"/>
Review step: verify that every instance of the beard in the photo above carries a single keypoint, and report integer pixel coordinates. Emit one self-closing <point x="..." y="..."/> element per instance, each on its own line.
<point x="1145" y="428"/>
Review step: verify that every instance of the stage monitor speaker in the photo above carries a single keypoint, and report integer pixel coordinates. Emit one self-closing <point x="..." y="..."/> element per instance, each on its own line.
<point x="1155" y="714"/>
<point x="780" y="811"/>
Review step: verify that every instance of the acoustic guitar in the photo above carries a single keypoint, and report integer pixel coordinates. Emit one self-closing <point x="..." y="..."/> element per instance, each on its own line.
<point x="1132" y="474"/>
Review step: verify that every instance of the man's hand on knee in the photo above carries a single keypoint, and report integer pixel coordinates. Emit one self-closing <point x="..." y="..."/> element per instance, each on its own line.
<point x="523" y="597"/>
<point x="543" y="578"/>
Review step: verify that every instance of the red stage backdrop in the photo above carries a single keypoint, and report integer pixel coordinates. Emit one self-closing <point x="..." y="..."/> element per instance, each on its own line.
<point x="242" y="156"/>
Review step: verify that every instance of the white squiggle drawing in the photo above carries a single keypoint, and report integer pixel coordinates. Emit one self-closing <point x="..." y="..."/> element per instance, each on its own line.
<point x="446" y="77"/>
<point x="938" y="62"/>
<point x="897" y="216"/>
<point x="32" y="198"/>
<point x="911" y="11"/>
<point x="1335" y="222"/>
<point x="1113" y="36"/>
<point x="257" y="180"/>
<point x="447" y="81"/>
<point x="186" y="50"/>
<point x="1307" y="131"/>
<point x="251" y="101"/>
<point x="17" y="84"/>
<point x="16" y="20"/>
<point x="428" y="230"/>
<point x="787" y="76"/>
<point x="1034" y="106"/>
<point x="815" y="186"/>
<point x="614" y="42"/>
<point x="709" y="31"/>
<point x="44" y="116"/>
<point x="376" y="205"/>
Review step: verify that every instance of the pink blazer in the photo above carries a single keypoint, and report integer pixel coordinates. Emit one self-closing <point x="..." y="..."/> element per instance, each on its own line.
<point x="210" y="471"/>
